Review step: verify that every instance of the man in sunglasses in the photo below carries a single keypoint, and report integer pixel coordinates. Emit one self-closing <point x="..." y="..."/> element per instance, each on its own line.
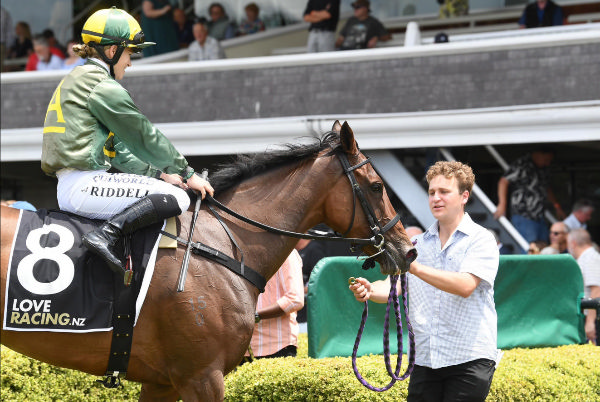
<point x="92" y="125"/>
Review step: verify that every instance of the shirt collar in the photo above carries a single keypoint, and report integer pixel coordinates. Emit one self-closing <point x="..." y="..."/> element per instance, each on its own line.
<point x="101" y="63"/>
<point x="466" y="226"/>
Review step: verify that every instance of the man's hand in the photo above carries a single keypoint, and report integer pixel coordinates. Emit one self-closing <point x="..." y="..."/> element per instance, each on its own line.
<point x="361" y="289"/>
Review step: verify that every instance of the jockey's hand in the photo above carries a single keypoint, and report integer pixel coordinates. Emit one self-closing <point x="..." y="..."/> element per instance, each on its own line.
<point x="174" y="179"/>
<point x="361" y="289"/>
<point x="200" y="185"/>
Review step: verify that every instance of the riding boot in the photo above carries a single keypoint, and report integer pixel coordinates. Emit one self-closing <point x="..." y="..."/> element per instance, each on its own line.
<point x="145" y="212"/>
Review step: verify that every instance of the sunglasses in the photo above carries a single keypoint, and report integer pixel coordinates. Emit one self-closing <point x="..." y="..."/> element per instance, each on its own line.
<point x="358" y="6"/>
<point x="557" y="233"/>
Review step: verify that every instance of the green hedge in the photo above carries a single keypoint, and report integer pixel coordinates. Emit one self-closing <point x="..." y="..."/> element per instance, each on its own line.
<point x="566" y="373"/>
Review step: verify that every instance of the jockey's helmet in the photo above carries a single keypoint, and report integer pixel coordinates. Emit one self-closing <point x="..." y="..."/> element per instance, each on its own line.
<point x="113" y="26"/>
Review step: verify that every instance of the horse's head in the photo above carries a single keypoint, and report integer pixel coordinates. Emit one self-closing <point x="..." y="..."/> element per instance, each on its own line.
<point x="358" y="206"/>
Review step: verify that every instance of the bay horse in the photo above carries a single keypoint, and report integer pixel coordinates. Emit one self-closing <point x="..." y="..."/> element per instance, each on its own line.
<point x="185" y="343"/>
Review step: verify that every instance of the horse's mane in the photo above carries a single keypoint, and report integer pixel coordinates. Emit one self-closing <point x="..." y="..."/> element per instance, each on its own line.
<point x="245" y="166"/>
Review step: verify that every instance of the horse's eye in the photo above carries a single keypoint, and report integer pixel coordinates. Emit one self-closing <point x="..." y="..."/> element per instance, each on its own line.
<point x="377" y="188"/>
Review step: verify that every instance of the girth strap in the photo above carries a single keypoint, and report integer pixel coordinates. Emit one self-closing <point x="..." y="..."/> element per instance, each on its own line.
<point x="233" y="265"/>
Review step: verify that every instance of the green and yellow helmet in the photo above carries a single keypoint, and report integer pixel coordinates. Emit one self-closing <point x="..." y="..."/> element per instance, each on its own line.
<point x="113" y="26"/>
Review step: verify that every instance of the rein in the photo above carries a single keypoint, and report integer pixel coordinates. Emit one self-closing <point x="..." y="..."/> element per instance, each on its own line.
<point x="392" y="298"/>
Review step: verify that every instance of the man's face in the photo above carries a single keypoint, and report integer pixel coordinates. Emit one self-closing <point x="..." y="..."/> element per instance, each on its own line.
<point x="584" y="214"/>
<point x="200" y="33"/>
<point x="179" y="16"/>
<point x="558" y="234"/>
<point x="41" y="51"/>
<point x="445" y="200"/>
<point x="542" y="159"/>
<point x="361" y="12"/>
<point x="216" y="13"/>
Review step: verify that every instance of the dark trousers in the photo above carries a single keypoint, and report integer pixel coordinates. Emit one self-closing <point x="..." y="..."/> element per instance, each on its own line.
<point x="470" y="381"/>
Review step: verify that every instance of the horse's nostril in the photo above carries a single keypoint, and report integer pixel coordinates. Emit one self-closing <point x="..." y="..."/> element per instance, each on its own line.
<point x="411" y="255"/>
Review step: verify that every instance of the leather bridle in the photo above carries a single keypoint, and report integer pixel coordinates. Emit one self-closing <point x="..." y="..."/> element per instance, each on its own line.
<point x="377" y="239"/>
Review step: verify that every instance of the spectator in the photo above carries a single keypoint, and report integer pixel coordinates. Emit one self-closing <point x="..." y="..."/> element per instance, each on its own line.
<point x="276" y="330"/>
<point x="558" y="239"/>
<point x="219" y="26"/>
<point x="22" y="45"/>
<point x="183" y="28"/>
<point x="581" y="214"/>
<point x="441" y="37"/>
<point x="529" y="178"/>
<point x="46" y="60"/>
<point x="453" y="8"/>
<point x="361" y="31"/>
<point x="451" y="295"/>
<point x="535" y="247"/>
<point x="51" y="39"/>
<point x="252" y="23"/>
<point x="580" y="247"/>
<point x="73" y="60"/>
<point x="32" y="60"/>
<point x="157" y="24"/>
<point x="323" y="16"/>
<point x="542" y="13"/>
<point x="204" y="47"/>
<point x="6" y="34"/>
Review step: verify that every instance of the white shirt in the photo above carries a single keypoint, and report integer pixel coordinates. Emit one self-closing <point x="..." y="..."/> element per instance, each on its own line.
<point x="589" y="263"/>
<point x="210" y="51"/>
<point x="572" y="223"/>
<point x="450" y="329"/>
<point x="55" y="63"/>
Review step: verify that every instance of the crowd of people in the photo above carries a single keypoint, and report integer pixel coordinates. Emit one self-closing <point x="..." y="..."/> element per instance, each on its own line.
<point x="172" y="29"/>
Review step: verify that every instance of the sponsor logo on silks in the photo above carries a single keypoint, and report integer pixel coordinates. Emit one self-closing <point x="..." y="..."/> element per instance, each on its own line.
<point x="112" y="192"/>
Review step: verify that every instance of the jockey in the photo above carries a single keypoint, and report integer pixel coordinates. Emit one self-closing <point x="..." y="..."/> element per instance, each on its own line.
<point x="92" y="125"/>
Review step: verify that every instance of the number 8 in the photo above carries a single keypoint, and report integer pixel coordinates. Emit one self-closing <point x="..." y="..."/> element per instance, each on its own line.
<point x="66" y="268"/>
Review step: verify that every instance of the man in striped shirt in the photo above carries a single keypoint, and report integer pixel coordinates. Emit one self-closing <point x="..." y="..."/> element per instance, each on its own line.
<point x="451" y="295"/>
<point x="276" y="330"/>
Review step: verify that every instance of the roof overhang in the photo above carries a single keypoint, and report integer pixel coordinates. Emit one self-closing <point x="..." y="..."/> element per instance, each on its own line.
<point x="560" y="122"/>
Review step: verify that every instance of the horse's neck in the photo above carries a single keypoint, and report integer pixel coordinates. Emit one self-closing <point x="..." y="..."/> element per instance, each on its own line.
<point x="287" y="199"/>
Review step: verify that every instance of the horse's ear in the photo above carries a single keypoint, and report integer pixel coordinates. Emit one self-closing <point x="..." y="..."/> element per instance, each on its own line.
<point x="337" y="126"/>
<point x="347" y="139"/>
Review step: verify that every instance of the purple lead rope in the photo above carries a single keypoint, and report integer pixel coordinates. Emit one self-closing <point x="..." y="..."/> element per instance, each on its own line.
<point x="393" y="298"/>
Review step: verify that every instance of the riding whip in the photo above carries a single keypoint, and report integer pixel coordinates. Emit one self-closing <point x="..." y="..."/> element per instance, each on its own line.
<point x="186" y="256"/>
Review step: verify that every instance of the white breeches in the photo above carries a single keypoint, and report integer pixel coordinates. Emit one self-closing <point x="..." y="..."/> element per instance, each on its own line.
<point x="100" y="195"/>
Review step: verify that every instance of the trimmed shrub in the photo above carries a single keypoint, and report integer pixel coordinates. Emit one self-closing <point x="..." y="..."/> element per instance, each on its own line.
<point x="566" y="373"/>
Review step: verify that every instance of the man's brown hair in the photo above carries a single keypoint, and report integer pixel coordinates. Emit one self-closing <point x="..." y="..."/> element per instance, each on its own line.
<point x="463" y="173"/>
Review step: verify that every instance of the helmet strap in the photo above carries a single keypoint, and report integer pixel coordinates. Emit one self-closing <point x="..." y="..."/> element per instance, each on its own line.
<point x="111" y="62"/>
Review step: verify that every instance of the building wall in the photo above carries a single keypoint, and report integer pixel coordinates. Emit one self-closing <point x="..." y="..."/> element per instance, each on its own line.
<point x="481" y="79"/>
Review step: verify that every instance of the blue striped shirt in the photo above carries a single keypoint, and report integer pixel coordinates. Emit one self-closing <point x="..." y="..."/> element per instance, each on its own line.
<point x="450" y="329"/>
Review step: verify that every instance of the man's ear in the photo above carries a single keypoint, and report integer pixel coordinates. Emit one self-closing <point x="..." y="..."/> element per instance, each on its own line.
<point x="466" y="196"/>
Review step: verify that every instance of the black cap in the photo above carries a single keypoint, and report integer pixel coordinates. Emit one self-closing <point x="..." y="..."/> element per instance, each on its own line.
<point x="441" y="38"/>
